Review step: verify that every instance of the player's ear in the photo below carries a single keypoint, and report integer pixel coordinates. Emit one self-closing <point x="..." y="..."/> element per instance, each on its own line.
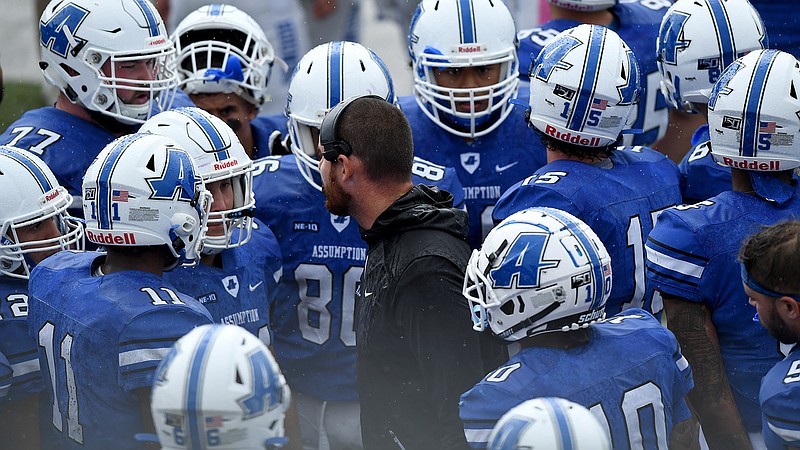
<point x="788" y="307"/>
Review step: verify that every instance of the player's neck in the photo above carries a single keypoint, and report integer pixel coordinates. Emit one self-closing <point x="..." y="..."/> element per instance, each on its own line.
<point x="65" y="105"/>
<point x="604" y="17"/>
<point x="150" y="260"/>
<point x="555" y="155"/>
<point x="558" y="339"/>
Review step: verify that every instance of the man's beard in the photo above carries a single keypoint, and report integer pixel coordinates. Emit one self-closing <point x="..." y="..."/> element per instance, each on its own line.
<point x="779" y="330"/>
<point x="337" y="200"/>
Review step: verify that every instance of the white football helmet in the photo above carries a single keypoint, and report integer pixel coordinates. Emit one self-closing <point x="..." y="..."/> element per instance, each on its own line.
<point x="30" y="195"/>
<point x="144" y="189"/>
<point x="219" y="388"/>
<point x="220" y="48"/>
<point x="752" y="115"/>
<point x="218" y="155"/>
<point x="697" y="40"/>
<point x="584" y="5"/>
<point x="549" y="423"/>
<point x="540" y="270"/>
<point x="585" y="84"/>
<point x="326" y="75"/>
<point x="456" y="34"/>
<point x="78" y="37"/>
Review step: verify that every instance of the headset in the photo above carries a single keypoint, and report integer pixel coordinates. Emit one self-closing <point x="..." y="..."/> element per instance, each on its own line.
<point x="328" y="137"/>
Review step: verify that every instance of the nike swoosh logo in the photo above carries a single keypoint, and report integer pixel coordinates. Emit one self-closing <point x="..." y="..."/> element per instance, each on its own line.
<point x="254" y="286"/>
<point x="499" y="168"/>
<point x="367" y="294"/>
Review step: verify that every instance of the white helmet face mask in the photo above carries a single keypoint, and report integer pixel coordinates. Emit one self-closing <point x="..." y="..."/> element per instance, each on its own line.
<point x="540" y="270"/>
<point x="143" y="189"/>
<point x="219" y="387"/>
<point x="221" y="49"/>
<point x="219" y="156"/>
<point x="549" y="423"/>
<point x="452" y="35"/>
<point x="108" y="56"/>
<point x="584" y="5"/>
<point x="584" y="87"/>
<point x="31" y="195"/>
<point x="752" y="114"/>
<point x="697" y="40"/>
<point x="326" y="75"/>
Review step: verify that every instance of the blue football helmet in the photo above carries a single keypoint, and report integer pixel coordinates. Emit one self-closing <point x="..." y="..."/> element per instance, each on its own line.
<point x="452" y="35"/>
<point x="697" y="40"/>
<point x="219" y="387"/>
<point x="540" y="270"/>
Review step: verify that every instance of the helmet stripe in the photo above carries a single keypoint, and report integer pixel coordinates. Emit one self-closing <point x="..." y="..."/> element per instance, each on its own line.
<point x="152" y="22"/>
<point x="724" y="33"/>
<point x="104" y="191"/>
<point x="215" y="10"/>
<point x="390" y="97"/>
<point x="752" y="107"/>
<point x="32" y="168"/>
<point x="591" y="253"/>
<point x="211" y="132"/>
<point x="466" y="21"/>
<point x="194" y="387"/>
<point x="560" y="420"/>
<point x="335" y="75"/>
<point x="594" y="53"/>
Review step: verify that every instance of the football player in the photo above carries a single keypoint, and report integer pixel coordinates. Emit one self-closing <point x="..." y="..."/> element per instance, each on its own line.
<point x="224" y="62"/>
<point x="690" y="60"/>
<point x="549" y="422"/>
<point x="240" y="264"/>
<point x="636" y="22"/>
<point x="691" y="252"/>
<point x="219" y="387"/>
<point x="465" y="72"/>
<point x="34" y="224"/>
<point x="783" y="23"/>
<point x="108" y="60"/>
<point x="103" y="321"/>
<point x="285" y="27"/>
<point x="542" y="278"/>
<point x="584" y="88"/>
<point x="323" y="254"/>
<point x="770" y="261"/>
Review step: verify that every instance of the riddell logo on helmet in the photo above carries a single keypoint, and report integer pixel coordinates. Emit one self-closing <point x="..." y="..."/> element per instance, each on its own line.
<point x="475" y="48"/>
<point x="773" y="165"/>
<point x="157" y="41"/>
<point x="571" y="138"/>
<point x="108" y="238"/>
<point x="225" y="164"/>
<point x="50" y="196"/>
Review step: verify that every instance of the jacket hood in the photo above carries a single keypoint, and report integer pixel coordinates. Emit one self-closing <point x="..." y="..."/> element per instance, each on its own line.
<point x="421" y="208"/>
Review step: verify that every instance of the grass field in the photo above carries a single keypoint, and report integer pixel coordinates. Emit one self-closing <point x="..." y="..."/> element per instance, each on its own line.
<point x="19" y="97"/>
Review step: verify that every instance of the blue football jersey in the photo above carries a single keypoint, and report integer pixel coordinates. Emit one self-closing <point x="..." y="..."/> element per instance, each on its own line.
<point x="619" y="199"/>
<point x="782" y="23"/>
<point x="66" y="143"/>
<point x="15" y="343"/>
<point x="691" y="254"/>
<point x="100" y="341"/>
<point x="631" y="364"/>
<point x="779" y="397"/>
<point x="486" y="166"/>
<point x="323" y="258"/>
<point x="702" y="177"/>
<point x="242" y="290"/>
<point x="6" y="374"/>
<point x="637" y="23"/>
<point x="263" y="127"/>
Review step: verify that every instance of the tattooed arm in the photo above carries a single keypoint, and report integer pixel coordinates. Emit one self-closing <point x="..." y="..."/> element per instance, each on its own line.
<point x="711" y="397"/>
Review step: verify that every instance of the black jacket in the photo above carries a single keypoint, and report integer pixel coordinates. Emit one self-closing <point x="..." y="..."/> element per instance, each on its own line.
<point x="417" y="352"/>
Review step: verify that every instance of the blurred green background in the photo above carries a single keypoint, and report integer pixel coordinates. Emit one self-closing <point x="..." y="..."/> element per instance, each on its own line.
<point x="19" y="97"/>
